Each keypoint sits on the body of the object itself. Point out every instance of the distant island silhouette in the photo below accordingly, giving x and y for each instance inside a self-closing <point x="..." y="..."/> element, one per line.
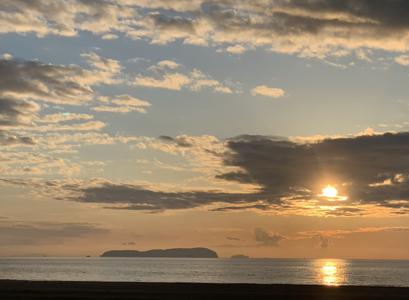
<point x="175" y="252"/>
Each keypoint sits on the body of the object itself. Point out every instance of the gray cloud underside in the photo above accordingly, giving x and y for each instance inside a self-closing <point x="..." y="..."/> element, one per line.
<point x="125" y="196"/>
<point x="310" y="28"/>
<point x="267" y="239"/>
<point x="35" y="80"/>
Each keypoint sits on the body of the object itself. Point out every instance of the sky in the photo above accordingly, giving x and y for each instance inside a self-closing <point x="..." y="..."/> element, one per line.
<point x="269" y="128"/>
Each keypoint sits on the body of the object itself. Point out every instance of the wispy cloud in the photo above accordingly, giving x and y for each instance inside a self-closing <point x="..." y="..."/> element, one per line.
<point x="263" y="90"/>
<point x="170" y="75"/>
<point x="121" y="104"/>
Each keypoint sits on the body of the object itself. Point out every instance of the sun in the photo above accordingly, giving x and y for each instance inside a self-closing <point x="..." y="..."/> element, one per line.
<point x="330" y="192"/>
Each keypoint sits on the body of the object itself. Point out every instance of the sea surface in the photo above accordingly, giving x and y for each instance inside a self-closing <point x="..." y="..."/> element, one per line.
<point x="281" y="271"/>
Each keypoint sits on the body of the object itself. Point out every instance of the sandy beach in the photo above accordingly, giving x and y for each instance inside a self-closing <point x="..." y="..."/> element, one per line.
<point x="11" y="289"/>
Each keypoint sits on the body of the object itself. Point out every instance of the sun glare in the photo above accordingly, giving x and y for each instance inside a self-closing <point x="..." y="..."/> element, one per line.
<point x="329" y="191"/>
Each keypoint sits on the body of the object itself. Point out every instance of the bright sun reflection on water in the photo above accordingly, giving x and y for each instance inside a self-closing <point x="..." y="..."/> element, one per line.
<point x="331" y="272"/>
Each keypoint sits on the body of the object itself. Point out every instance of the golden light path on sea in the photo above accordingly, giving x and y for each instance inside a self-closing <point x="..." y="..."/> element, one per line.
<point x="331" y="272"/>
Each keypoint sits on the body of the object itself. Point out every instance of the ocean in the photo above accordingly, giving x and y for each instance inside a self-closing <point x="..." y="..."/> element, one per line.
<point x="278" y="271"/>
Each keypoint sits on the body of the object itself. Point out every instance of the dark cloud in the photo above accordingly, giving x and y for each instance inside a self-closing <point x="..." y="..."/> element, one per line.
<point x="267" y="239"/>
<point x="133" y="197"/>
<point x="7" y="139"/>
<point x="181" y="141"/>
<point x="60" y="84"/>
<point x="244" y="207"/>
<point x="308" y="16"/>
<point x="172" y="23"/>
<point x="35" y="80"/>
<point x="369" y="169"/>
<point x="394" y="14"/>
<point x="14" y="112"/>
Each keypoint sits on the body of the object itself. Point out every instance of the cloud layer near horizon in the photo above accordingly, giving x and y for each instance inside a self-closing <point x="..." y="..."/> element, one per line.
<point x="14" y="232"/>
<point x="370" y="170"/>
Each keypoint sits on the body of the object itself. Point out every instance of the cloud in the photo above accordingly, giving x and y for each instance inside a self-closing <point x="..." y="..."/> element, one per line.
<point x="317" y="28"/>
<point x="51" y="152"/>
<point x="137" y="197"/>
<point x="275" y="176"/>
<point x="200" y="154"/>
<point x="85" y="126"/>
<point x="7" y="139"/>
<point x="65" y="18"/>
<point x="267" y="239"/>
<point x="44" y="233"/>
<point x="296" y="170"/>
<point x="61" y="141"/>
<point x="106" y="64"/>
<point x="402" y="60"/>
<point x="263" y="90"/>
<point x="180" y="141"/>
<point x="173" y="81"/>
<point x="236" y="49"/>
<point x="109" y="36"/>
<point x="28" y="86"/>
<point x="122" y="104"/>
<point x="163" y="65"/>
<point x="59" y="84"/>
<point x="129" y="196"/>
<point x="20" y="163"/>
<point x="14" y="112"/>
<point x="63" y="117"/>
<point x="170" y="75"/>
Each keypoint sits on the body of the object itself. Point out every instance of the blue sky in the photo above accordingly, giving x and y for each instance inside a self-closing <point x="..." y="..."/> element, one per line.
<point x="362" y="95"/>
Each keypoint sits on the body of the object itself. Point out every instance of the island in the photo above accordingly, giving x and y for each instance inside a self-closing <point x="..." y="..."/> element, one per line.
<point x="175" y="252"/>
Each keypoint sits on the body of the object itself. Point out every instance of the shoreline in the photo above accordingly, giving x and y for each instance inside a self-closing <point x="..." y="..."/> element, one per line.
<point x="21" y="289"/>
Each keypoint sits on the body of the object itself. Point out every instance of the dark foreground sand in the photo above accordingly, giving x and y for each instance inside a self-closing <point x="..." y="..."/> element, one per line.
<point x="10" y="290"/>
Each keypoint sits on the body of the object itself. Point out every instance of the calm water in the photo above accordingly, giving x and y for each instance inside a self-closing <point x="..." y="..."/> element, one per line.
<point x="294" y="271"/>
